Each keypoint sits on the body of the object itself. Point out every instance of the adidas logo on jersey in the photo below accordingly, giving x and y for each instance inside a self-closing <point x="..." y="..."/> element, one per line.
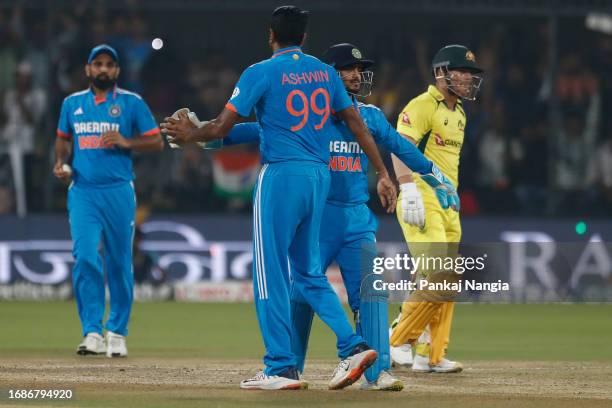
<point x="79" y="111"/>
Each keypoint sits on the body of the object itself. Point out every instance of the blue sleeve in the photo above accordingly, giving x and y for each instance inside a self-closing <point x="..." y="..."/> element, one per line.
<point x="340" y="99"/>
<point x="243" y="133"/>
<point x="143" y="118"/>
<point x="64" y="129"/>
<point x="385" y="135"/>
<point x="251" y="86"/>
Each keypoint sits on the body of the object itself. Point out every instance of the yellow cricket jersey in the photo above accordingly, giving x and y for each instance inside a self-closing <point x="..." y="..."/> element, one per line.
<point x="437" y="130"/>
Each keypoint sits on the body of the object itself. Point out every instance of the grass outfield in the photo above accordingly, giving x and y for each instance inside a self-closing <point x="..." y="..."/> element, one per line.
<point x="195" y="354"/>
<point x="552" y="332"/>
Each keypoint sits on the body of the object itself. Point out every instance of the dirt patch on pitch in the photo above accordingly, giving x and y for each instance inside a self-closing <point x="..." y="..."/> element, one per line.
<point x="512" y="381"/>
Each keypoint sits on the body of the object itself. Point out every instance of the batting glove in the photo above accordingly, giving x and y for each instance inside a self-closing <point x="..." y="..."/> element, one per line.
<point x="445" y="191"/>
<point x="413" y="210"/>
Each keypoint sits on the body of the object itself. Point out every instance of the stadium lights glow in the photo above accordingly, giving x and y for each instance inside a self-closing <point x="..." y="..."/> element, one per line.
<point x="599" y="22"/>
<point x="157" y="43"/>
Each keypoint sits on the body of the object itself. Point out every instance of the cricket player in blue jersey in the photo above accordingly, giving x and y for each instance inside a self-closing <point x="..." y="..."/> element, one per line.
<point x="99" y="127"/>
<point x="348" y="227"/>
<point x="293" y="95"/>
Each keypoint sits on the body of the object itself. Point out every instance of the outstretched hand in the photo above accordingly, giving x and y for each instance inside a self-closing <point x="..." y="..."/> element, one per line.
<point x="179" y="131"/>
<point x="387" y="193"/>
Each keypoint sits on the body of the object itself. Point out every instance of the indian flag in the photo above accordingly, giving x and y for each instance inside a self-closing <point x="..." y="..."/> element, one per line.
<point x="235" y="173"/>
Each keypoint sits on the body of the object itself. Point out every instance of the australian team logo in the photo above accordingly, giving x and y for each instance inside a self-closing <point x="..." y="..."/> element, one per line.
<point x="114" y="111"/>
<point x="470" y="56"/>
<point x="406" y="119"/>
<point x="438" y="139"/>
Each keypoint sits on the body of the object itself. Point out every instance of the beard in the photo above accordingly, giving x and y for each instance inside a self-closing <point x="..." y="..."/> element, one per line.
<point x="103" y="82"/>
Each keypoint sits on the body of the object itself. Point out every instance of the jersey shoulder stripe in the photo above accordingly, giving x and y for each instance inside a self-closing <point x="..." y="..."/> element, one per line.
<point x="362" y="105"/>
<point x="78" y="93"/>
<point x="126" y="92"/>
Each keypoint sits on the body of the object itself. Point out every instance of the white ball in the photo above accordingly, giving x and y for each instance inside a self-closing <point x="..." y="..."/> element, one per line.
<point x="67" y="168"/>
<point x="157" y="43"/>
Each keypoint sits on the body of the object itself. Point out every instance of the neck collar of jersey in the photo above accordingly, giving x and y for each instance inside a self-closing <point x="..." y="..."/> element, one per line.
<point x="280" y="51"/>
<point x="435" y="92"/>
<point x="101" y="99"/>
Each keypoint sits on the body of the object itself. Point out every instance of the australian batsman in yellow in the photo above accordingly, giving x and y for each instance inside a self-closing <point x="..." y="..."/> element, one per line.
<point x="435" y="121"/>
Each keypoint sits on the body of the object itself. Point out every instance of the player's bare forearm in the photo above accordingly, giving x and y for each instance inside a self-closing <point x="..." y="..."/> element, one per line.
<point x="153" y="143"/>
<point x="407" y="178"/>
<point x="364" y="138"/>
<point x="141" y="143"/>
<point x="63" y="149"/>
<point x="219" y="127"/>
<point x="402" y="172"/>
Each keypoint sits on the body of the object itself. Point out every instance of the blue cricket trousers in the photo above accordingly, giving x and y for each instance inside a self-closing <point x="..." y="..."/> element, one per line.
<point x="287" y="210"/>
<point x="102" y="214"/>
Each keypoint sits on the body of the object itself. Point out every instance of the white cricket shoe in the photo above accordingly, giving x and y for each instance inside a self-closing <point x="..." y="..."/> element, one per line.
<point x="353" y="367"/>
<point x="92" y="344"/>
<point x="261" y="381"/>
<point x="447" y="366"/>
<point x="385" y="382"/>
<point x="115" y="345"/>
<point x="420" y="364"/>
<point x="401" y="355"/>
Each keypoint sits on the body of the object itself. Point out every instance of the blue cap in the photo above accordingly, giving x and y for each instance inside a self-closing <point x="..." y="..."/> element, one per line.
<point x="102" y="49"/>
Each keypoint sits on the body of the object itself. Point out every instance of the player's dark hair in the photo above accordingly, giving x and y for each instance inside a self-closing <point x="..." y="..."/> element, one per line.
<point x="289" y="25"/>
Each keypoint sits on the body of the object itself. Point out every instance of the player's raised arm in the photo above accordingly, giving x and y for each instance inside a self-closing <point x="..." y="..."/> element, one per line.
<point x="386" y="189"/>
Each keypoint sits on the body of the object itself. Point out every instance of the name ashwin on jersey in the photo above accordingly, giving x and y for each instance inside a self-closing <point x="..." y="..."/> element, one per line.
<point x="305" y="77"/>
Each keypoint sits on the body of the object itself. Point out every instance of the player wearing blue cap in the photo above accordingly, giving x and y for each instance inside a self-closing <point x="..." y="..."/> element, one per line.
<point x="348" y="227"/>
<point x="293" y="95"/>
<point x="99" y="127"/>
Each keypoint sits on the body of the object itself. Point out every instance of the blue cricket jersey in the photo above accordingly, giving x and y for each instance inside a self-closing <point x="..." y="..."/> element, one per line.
<point x="348" y="163"/>
<point x="294" y="96"/>
<point x="84" y="118"/>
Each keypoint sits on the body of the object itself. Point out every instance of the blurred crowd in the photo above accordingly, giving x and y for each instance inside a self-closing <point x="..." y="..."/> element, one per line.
<point x="537" y="141"/>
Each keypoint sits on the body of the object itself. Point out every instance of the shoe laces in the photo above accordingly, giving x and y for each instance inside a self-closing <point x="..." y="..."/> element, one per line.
<point x="342" y="366"/>
<point x="260" y="375"/>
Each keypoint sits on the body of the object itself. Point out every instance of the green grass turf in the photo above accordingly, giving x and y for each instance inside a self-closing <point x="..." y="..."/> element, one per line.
<point x="554" y="332"/>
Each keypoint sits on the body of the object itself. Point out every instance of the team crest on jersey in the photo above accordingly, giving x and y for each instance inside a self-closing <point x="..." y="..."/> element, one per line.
<point x="470" y="56"/>
<point x="114" y="111"/>
<point x="406" y="119"/>
<point x="235" y="93"/>
<point x="438" y="139"/>
<point x="461" y="125"/>
<point x="356" y="53"/>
